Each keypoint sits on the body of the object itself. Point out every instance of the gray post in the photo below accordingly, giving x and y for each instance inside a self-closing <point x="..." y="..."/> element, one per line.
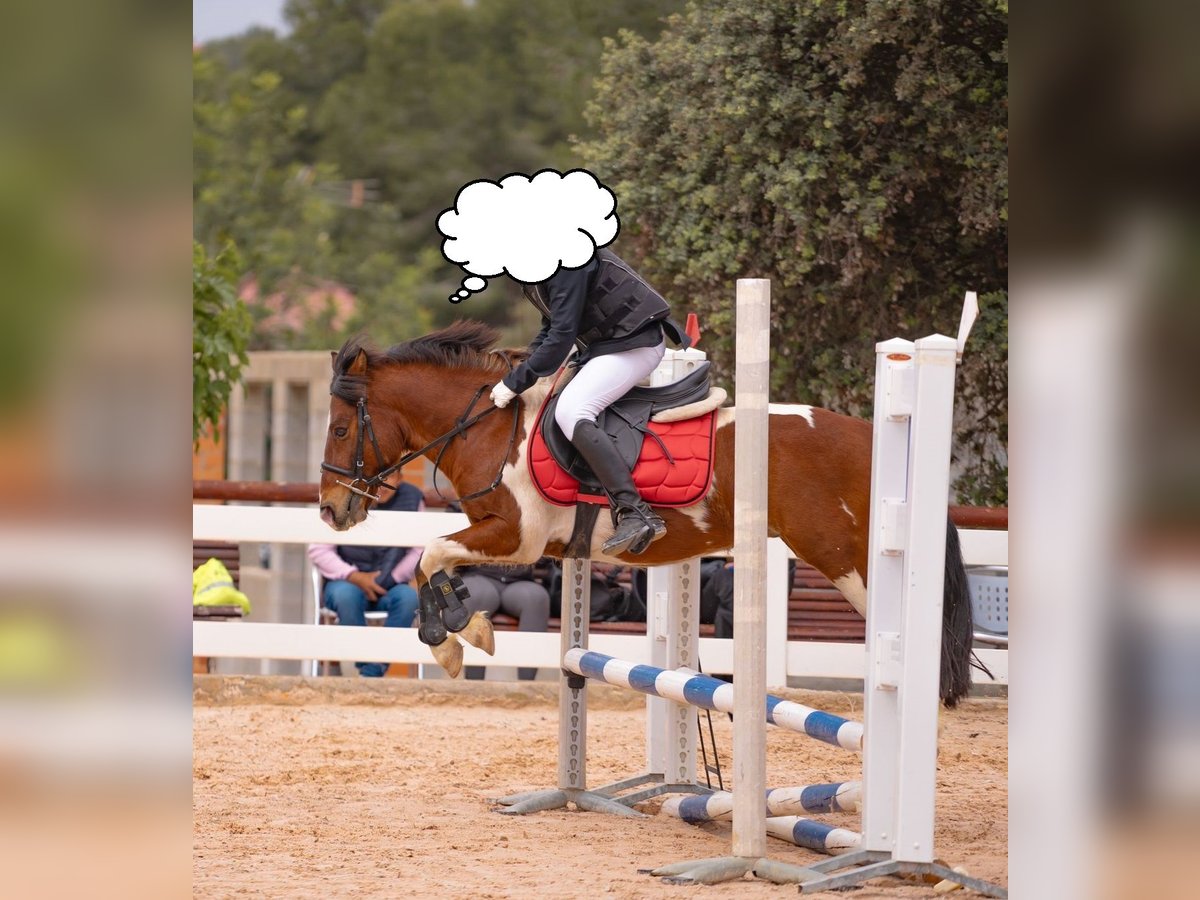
<point x="572" y="702"/>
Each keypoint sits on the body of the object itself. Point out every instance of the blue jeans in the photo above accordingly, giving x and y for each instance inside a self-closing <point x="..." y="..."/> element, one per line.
<point x="350" y="604"/>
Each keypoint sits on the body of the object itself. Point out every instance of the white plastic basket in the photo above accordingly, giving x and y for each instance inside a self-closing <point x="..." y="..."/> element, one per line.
<point x="989" y="598"/>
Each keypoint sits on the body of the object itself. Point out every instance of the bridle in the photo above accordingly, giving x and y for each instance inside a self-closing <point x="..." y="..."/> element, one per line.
<point x="366" y="431"/>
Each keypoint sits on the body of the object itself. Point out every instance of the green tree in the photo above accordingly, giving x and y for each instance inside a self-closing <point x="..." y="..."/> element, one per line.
<point x="252" y="185"/>
<point x="410" y="99"/>
<point x="853" y="152"/>
<point x="220" y="331"/>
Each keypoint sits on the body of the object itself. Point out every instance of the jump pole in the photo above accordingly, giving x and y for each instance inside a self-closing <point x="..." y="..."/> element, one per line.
<point x="705" y="692"/>
<point x="753" y="367"/>
<point x="750" y="570"/>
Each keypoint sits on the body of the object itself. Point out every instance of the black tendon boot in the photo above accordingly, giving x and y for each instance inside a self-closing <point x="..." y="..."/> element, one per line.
<point x="635" y="524"/>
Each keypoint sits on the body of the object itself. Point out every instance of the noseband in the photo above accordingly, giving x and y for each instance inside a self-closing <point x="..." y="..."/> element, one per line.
<point x="367" y="432"/>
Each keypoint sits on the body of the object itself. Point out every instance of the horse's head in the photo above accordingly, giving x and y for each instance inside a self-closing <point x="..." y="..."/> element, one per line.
<point x="356" y="447"/>
<point x="385" y="403"/>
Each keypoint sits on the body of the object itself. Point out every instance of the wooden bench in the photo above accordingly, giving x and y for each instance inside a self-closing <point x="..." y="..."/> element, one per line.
<point x="229" y="555"/>
<point x="816" y="612"/>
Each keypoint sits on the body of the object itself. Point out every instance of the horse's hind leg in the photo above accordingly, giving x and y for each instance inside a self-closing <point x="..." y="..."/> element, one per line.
<point x="831" y="536"/>
<point x="842" y="563"/>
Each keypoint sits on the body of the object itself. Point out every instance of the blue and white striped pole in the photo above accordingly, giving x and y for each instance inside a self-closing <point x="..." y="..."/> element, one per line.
<point x="795" y="829"/>
<point x="844" y="796"/>
<point x="711" y="693"/>
<point x="813" y="835"/>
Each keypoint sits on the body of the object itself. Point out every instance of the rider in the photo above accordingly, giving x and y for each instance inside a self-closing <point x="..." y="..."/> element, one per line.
<point x="618" y="322"/>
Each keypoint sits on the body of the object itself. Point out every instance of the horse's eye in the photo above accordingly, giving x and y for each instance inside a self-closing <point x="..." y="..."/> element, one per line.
<point x="339" y="432"/>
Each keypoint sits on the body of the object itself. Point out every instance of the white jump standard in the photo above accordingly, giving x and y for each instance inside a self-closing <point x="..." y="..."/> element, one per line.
<point x="914" y="394"/>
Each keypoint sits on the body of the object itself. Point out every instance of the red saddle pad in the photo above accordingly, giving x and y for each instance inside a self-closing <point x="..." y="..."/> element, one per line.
<point x="680" y="480"/>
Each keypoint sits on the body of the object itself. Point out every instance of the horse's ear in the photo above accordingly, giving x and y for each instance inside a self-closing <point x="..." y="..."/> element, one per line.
<point x="359" y="366"/>
<point x="333" y="360"/>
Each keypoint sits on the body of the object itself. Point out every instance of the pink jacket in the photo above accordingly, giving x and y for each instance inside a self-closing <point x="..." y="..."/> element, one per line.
<point x="333" y="567"/>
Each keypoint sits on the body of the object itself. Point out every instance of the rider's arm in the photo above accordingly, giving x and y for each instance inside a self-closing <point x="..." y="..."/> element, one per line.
<point x="541" y="336"/>
<point x="567" y="293"/>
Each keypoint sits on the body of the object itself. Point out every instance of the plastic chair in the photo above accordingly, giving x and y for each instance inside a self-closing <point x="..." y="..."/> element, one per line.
<point x="989" y="604"/>
<point x="322" y="615"/>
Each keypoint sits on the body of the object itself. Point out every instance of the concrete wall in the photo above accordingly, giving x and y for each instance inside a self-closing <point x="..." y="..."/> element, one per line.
<point x="276" y="432"/>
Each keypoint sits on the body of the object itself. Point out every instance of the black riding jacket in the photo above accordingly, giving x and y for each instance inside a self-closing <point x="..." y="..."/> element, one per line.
<point x="603" y="307"/>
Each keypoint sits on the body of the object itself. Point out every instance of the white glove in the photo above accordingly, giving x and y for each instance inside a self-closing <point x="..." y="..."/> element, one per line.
<point x="502" y="395"/>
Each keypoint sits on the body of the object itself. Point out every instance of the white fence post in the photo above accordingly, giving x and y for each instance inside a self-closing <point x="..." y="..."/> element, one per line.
<point x="779" y="588"/>
<point x="750" y="566"/>
<point x="658" y="587"/>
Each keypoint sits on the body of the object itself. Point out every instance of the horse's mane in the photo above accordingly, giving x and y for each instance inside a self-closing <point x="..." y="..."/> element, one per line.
<point x="463" y="345"/>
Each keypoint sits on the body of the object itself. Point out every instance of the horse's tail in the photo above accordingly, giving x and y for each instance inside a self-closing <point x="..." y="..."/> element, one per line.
<point x="958" y="627"/>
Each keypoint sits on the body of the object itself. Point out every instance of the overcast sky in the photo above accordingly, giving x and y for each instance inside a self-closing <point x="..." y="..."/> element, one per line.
<point x="213" y="19"/>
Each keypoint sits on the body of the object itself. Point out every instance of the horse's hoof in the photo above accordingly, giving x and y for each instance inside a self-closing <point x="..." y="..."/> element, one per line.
<point x="449" y="655"/>
<point x="478" y="633"/>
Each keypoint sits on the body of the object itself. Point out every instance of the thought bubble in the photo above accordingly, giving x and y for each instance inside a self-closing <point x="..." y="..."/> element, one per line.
<point x="527" y="227"/>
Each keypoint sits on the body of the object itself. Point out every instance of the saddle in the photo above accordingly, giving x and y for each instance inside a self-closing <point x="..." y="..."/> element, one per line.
<point x="664" y="434"/>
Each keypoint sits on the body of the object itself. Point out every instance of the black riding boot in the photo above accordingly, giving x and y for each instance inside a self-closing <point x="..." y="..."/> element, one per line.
<point x="635" y="524"/>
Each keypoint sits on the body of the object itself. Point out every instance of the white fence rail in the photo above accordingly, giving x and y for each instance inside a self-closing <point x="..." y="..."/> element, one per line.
<point x="301" y="524"/>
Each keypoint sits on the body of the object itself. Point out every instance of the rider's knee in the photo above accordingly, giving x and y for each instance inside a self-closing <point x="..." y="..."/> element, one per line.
<point x="567" y="418"/>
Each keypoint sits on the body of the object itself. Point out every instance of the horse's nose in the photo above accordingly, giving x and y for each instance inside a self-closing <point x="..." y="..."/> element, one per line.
<point x="327" y="516"/>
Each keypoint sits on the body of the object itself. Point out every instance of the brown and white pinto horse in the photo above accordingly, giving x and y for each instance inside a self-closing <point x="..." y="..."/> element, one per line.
<point x="819" y="479"/>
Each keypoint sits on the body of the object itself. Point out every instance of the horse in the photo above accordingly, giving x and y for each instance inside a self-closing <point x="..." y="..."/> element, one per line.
<point x="424" y="400"/>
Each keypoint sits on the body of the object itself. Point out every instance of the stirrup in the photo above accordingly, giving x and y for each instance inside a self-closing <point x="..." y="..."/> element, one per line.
<point x="652" y="528"/>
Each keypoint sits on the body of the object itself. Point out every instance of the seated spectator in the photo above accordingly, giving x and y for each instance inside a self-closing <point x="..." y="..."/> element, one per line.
<point x="359" y="579"/>
<point x="716" y="593"/>
<point x="512" y="591"/>
<point x="611" y="601"/>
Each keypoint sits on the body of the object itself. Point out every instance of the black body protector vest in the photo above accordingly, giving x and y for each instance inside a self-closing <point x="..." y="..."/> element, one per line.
<point x="620" y="303"/>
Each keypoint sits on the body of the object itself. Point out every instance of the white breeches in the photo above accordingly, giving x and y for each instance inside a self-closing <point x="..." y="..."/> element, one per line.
<point x="601" y="382"/>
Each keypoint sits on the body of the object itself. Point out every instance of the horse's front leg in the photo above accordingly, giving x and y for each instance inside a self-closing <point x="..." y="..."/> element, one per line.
<point x="442" y="611"/>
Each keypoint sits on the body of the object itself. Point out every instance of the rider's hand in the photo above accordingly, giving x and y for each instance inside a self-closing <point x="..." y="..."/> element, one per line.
<point x="365" y="582"/>
<point x="502" y="395"/>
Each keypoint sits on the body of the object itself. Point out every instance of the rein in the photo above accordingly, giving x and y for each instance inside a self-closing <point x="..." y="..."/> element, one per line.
<point x="461" y="424"/>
